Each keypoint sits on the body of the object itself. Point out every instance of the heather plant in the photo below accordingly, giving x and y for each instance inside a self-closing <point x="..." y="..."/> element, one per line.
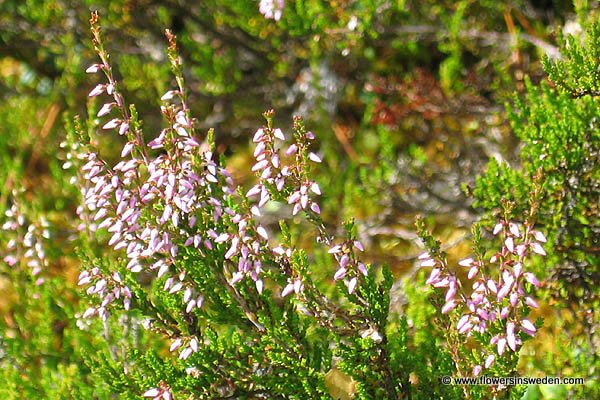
<point x="194" y="259"/>
<point x="208" y="262"/>
<point x="193" y="283"/>
<point x="236" y="300"/>
<point x="556" y="123"/>
<point x="41" y="348"/>
<point x="486" y="321"/>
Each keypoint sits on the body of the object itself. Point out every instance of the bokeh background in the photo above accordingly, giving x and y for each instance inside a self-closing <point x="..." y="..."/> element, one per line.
<point x="409" y="101"/>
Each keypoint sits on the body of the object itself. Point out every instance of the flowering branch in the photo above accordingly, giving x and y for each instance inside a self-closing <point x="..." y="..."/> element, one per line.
<point x="196" y="254"/>
<point x="494" y="312"/>
<point x="27" y="241"/>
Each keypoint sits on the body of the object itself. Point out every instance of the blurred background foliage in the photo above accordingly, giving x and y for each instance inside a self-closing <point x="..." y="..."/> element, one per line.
<point x="409" y="100"/>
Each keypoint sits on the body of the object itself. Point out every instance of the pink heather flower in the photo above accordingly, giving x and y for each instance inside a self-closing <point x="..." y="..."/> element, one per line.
<point x="194" y="344"/>
<point x="315" y="158"/>
<point x="501" y="345"/>
<point x="452" y="289"/>
<point x="467" y="262"/>
<point x="434" y="276"/>
<point x="279" y="134"/>
<point x="462" y="321"/>
<point x="287" y="290"/>
<point x="185" y="353"/>
<point x="362" y="269"/>
<point x="492" y="286"/>
<point x="476" y="370"/>
<point x="259" y="150"/>
<point x="531" y="302"/>
<point x="259" y="286"/>
<point x="465" y="328"/>
<point x="335" y="249"/>
<point x="504" y="290"/>
<point x="444" y="282"/>
<point x="99" y="89"/>
<point x="352" y="285"/>
<point x="271" y="9"/>
<point x="169" y="95"/>
<point x="344" y="260"/>
<point x="158" y="394"/>
<point x="511" y="339"/>
<point x="154" y="392"/>
<point x="190" y="306"/>
<point x="89" y="312"/>
<point x="497" y="228"/>
<point x="514" y="229"/>
<point x="127" y="149"/>
<point x="513" y="298"/>
<point x="539" y="236"/>
<point x="113" y="123"/>
<point x="105" y="109"/>
<point x="199" y="301"/>
<point x="260" y="165"/>
<point x="529" y="277"/>
<point x="479" y="294"/>
<point x="276" y="162"/>
<point x="449" y="306"/>
<point x="294" y="197"/>
<point x="489" y="360"/>
<point x="304" y="201"/>
<point x="258" y="135"/>
<point x="528" y="327"/>
<point x="10" y="260"/>
<point x="537" y="248"/>
<point x="176" y="344"/>
<point x="298" y="286"/>
<point x="483" y="314"/>
<point x="510" y="245"/>
<point x="430" y="262"/>
<point x="92" y="69"/>
<point x="254" y="190"/>
<point x="291" y="150"/>
<point x="315" y="188"/>
<point x="291" y="287"/>
<point x="315" y="208"/>
<point x="472" y="272"/>
<point x="187" y="294"/>
<point x="123" y="128"/>
<point x="262" y="232"/>
<point x="340" y="273"/>
<point x="517" y="270"/>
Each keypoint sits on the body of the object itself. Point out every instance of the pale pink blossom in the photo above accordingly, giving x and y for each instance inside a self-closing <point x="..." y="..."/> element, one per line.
<point x="315" y="158"/>
<point x="99" y="89"/>
<point x="271" y="9"/>
<point x="537" y="248"/>
<point x="92" y="69"/>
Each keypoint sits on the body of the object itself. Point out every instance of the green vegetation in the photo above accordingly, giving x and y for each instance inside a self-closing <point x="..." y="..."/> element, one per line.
<point x="160" y="239"/>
